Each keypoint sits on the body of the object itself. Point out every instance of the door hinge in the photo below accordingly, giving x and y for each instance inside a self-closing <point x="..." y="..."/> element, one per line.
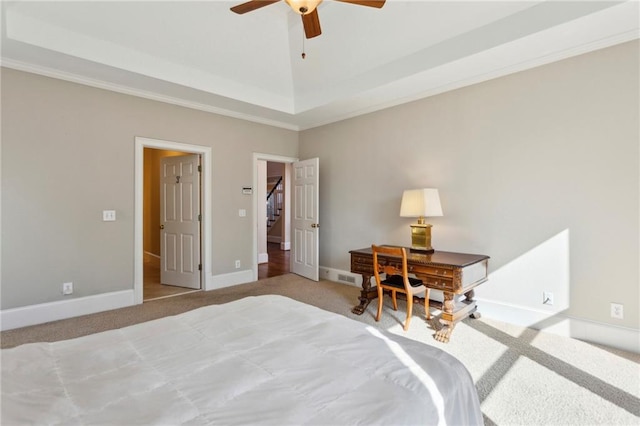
<point x="199" y="168"/>
<point x="199" y="218"/>
<point x="200" y="267"/>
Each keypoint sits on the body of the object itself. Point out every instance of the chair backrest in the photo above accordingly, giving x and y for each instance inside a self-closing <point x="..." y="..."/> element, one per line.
<point x="390" y="269"/>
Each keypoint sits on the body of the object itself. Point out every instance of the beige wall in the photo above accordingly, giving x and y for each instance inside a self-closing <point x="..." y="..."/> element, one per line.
<point x="539" y="170"/>
<point x="68" y="154"/>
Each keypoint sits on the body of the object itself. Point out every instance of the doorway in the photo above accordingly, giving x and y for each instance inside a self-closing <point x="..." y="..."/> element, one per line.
<point x="271" y="258"/>
<point x="171" y="226"/>
<point x="206" y="283"/>
<point x="274" y="232"/>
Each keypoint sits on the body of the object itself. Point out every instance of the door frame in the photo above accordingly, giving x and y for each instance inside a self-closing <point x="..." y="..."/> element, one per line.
<point x="265" y="157"/>
<point x="206" y="202"/>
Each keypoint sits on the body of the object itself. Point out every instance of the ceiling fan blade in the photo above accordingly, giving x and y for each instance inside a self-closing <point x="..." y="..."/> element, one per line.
<point x="370" y="3"/>
<point x="252" y="5"/>
<point x="311" y="24"/>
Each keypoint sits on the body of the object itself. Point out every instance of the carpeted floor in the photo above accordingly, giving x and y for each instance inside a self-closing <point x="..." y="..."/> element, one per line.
<point x="523" y="377"/>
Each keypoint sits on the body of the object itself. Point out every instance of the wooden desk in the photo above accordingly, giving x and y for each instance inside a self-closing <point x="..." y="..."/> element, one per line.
<point x="452" y="273"/>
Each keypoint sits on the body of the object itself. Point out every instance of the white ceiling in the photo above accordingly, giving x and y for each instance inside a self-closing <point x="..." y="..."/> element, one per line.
<point x="201" y="55"/>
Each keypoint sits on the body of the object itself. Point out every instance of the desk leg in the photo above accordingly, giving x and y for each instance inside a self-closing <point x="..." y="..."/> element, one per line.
<point x="469" y="297"/>
<point x="443" y="335"/>
<point x="366" y="295"/>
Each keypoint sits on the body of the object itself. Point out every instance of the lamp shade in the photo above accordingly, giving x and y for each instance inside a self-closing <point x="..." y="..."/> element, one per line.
<point x="420" y="203"/>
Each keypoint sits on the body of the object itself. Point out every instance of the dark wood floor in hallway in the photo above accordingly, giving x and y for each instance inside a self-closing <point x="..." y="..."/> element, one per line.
<point x="278" y="262"/>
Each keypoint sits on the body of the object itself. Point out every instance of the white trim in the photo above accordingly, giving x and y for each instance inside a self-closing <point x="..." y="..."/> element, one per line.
<point x="274" y="239"/>
<point x="118" y="88"/>
<point x="264" y="157"/>
<point x="285" y="245"/>
<point x="231" y="279"/>
<point x="148" y="253"/>
<point x="624" y="338"/>
<point x="263" y="258"/>
<point x="560" y="324"/>
<point x="53" y="311"/>
<point x="207" y="197"/>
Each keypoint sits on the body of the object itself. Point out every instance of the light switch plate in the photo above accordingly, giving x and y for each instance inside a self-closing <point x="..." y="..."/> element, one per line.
<point x="242" y="212"/>
<point x="109" y="215"/>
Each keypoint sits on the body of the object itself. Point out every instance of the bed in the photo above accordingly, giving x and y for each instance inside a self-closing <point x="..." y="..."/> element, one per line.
<point x="258" y="360"/>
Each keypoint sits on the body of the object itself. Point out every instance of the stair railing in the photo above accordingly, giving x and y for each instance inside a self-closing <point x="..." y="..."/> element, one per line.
<point x="274" y="203"/>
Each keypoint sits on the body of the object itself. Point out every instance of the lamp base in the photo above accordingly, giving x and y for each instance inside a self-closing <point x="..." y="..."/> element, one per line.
<point x="421" y="238"/>
<point x="421" y="251"/>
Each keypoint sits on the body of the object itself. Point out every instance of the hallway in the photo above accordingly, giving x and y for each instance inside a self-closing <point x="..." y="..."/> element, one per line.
<point x="278" y="262"/>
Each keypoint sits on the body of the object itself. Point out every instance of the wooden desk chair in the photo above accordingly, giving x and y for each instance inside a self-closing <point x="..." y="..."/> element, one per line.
<point x="397" y="281"/>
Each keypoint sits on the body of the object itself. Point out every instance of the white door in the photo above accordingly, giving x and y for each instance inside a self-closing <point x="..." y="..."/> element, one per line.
<point x="304" y="221"/>
<point x="180" y="221"/>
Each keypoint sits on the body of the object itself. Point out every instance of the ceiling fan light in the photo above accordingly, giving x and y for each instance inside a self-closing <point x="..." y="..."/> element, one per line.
<point x="303" y="7"/>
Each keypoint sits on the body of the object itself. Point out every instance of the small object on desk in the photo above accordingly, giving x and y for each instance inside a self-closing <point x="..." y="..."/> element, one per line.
<point x="421" y="203"/>
<point x="452" y="273"/>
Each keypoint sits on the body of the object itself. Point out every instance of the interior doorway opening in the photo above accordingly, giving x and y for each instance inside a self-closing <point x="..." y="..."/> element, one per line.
<point x="153" y="285"/>
<point x="206" y="281"/>
<point x="274" y="241"/>
<point x="271" y="258"/>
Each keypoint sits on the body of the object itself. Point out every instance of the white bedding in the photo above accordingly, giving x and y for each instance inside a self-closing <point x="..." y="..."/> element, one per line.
<point x="259" y="360"/>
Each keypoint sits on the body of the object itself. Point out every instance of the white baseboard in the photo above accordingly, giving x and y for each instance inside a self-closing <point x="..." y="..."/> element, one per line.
<point x="230" y="279"/>
<point x="263" y="257"/>
<point x="53" y="311"/>
<point x="285" y="245"/>
<point x="274" y="239"/>
<point x="560" y="324"/>
<point x="148" y="253"/>
<point x="605" y="334"/>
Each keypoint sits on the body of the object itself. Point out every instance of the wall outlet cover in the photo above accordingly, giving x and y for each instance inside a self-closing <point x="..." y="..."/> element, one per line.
<point x="67" y="288"/>
<point x="617" y="311"/>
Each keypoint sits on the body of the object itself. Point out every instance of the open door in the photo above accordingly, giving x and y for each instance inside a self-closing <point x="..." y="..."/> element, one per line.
<point x="305" y="219"/>
<point x="180" y="221"/>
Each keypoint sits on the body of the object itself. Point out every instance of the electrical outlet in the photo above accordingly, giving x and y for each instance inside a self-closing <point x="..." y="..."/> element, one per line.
<point x="108" y="215"/>
<point x="237" y="264"/>
<point x="67" y="288"/>
<point x="617" y="311"/>
<point x="547" y="298"/>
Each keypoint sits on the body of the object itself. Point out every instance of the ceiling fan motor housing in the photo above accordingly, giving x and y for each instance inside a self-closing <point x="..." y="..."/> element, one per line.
<point x="303" y="7"/>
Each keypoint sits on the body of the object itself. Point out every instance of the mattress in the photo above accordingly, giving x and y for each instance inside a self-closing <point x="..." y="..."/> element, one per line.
<point x="259" y="360"/>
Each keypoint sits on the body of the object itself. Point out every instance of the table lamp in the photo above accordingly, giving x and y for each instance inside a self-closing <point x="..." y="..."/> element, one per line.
<point x="421" y="203"/>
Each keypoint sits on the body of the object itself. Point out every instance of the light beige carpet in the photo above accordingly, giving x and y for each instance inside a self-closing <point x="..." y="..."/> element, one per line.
<point x="523" y="377"/>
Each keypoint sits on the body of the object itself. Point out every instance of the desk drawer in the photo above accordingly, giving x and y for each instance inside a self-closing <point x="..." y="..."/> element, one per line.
<point x="362" y="264"/>
<point x="439" y="283"/>
<point x="432" y="270"/>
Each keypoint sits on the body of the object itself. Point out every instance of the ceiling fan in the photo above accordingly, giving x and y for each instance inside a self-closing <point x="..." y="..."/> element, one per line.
<point x="306" y="8"/>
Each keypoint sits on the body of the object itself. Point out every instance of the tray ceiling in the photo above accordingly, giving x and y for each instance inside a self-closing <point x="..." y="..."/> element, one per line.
<point x="201" y="55"/>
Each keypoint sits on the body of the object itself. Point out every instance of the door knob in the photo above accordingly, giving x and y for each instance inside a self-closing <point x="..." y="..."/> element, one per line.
<point x="161" y="226"/>
<point x="315" y="225"/>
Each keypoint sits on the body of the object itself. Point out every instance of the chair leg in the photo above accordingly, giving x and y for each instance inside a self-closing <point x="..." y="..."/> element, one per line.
<point x="395" y="302"/>
<point x="426" y="304"/>
<point x="409" y="310"/>
<point x="380" y="295"/>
